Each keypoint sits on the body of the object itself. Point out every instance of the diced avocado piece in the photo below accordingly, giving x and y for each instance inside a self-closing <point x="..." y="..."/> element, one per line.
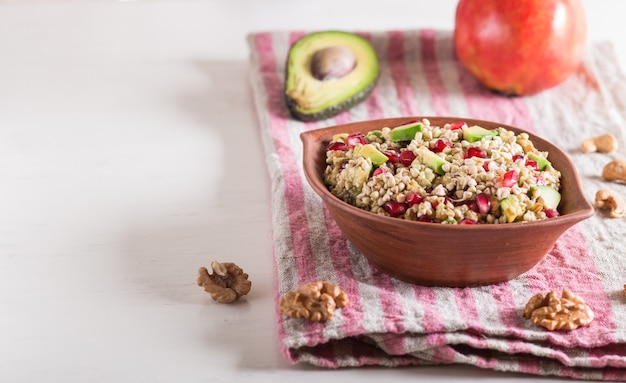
<point x="377" y="133"/>
<point x="542" y="162"/>
<point x="373" y="135"/>
<point x="376" y="156"/>
<point x="329" y="72"/>
<point x="548" y="196"/>
<point x="510" y="208"/>
<point x="405" y="132"/>
<point x="476" y="133"/>
<point x="431" y="159"/>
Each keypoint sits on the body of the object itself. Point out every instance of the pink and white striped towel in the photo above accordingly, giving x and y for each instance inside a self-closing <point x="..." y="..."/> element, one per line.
<point x="393" y="323"/>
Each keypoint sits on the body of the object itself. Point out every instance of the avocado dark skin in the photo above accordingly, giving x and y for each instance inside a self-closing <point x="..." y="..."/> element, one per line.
<point x="327" y="73"/>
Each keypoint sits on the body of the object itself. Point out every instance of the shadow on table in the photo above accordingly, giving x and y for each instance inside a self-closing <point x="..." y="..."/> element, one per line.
<point x="227" y="220"/>
<point x="222" y="212"/>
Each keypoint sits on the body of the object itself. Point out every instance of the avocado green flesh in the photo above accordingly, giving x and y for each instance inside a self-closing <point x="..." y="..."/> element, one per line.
<point x="405" y="132"/>
<point x="310" y="99"/>
<point x="477" y="133"/>
<point x="376" y="156"/>
<point x="432" y="160"/>
<point x="509" y="208"/>
<point x="374" y="134"/>
<point x="549" y="196"/>
<point x="542" y="163"/>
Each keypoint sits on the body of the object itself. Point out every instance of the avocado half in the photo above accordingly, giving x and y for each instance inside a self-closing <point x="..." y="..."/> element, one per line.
<point x="329" y="72"/>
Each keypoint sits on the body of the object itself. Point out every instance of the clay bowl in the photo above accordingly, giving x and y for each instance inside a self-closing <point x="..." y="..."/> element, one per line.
<point x="446" y="255"/>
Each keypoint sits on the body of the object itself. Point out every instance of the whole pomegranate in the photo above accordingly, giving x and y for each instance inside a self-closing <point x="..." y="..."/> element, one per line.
<point x="520" y="47"/>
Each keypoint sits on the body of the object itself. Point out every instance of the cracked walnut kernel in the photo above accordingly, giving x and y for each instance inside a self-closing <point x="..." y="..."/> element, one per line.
<point x="226" y="284"/>
<point x="567" y="312"/>
<point x="313" y="301"/>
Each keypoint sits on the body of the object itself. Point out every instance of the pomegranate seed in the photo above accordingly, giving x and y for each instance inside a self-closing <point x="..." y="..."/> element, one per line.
<point x="407" y="157"/>
<point x="356" y="138"/>
<point x="467" y="221"/>
<point x="475" y="152"/>
<point x="441" y="145"/>
<point x="483" y="203"/>
<point x="379" y="171"/>
<point x="412" y="198"/>
<point x="551" y="213"/>
<point x="517" y="157"/>
<point x="393" y="155"/>
<point x="337" y="146"/>
<point x="532" y="164"/>
<point x="509" y="179"/>
<point x="457" y="125"/>
<point x="394" y="208"/>
<point x="486" y="165"/>
<point x="426" y="218"/>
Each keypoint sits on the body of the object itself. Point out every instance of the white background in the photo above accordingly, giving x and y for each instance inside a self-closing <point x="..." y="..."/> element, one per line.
<point x="130" y="155"/>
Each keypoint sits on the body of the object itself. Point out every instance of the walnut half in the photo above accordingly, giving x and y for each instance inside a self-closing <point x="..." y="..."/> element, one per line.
<point x="567" y="312"/>
<point x="313" y="301"/>
<point x="226" y="284"/>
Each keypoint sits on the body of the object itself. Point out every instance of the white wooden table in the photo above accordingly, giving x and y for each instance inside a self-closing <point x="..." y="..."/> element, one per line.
<point x="123" y="125"/>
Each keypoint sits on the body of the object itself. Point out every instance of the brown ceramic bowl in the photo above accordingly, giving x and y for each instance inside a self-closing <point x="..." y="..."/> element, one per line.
<point x="446" y="255"/>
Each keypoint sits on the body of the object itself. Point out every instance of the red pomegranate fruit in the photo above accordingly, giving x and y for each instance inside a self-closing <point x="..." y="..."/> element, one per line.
<point x="520" y="47"/>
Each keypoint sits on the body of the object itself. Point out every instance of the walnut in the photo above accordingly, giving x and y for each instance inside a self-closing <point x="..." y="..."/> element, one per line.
<point x="565" y="313"/>
<point x="605" y="143"/>
<point x="313" y="301"/>
<point x="608" y="199"/>
<point x="227" y="283"/>
<point x="615" y="171"/>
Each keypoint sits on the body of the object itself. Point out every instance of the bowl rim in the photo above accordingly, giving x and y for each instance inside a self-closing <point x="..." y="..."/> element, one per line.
<point x="316" y="182"/>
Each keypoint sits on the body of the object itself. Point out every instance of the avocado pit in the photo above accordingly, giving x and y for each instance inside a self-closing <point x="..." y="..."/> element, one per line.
<point x="332" y="62"/>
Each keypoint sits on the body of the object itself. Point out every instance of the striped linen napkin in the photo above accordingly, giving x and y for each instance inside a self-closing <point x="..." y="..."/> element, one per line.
<point x="392" y="323"/>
